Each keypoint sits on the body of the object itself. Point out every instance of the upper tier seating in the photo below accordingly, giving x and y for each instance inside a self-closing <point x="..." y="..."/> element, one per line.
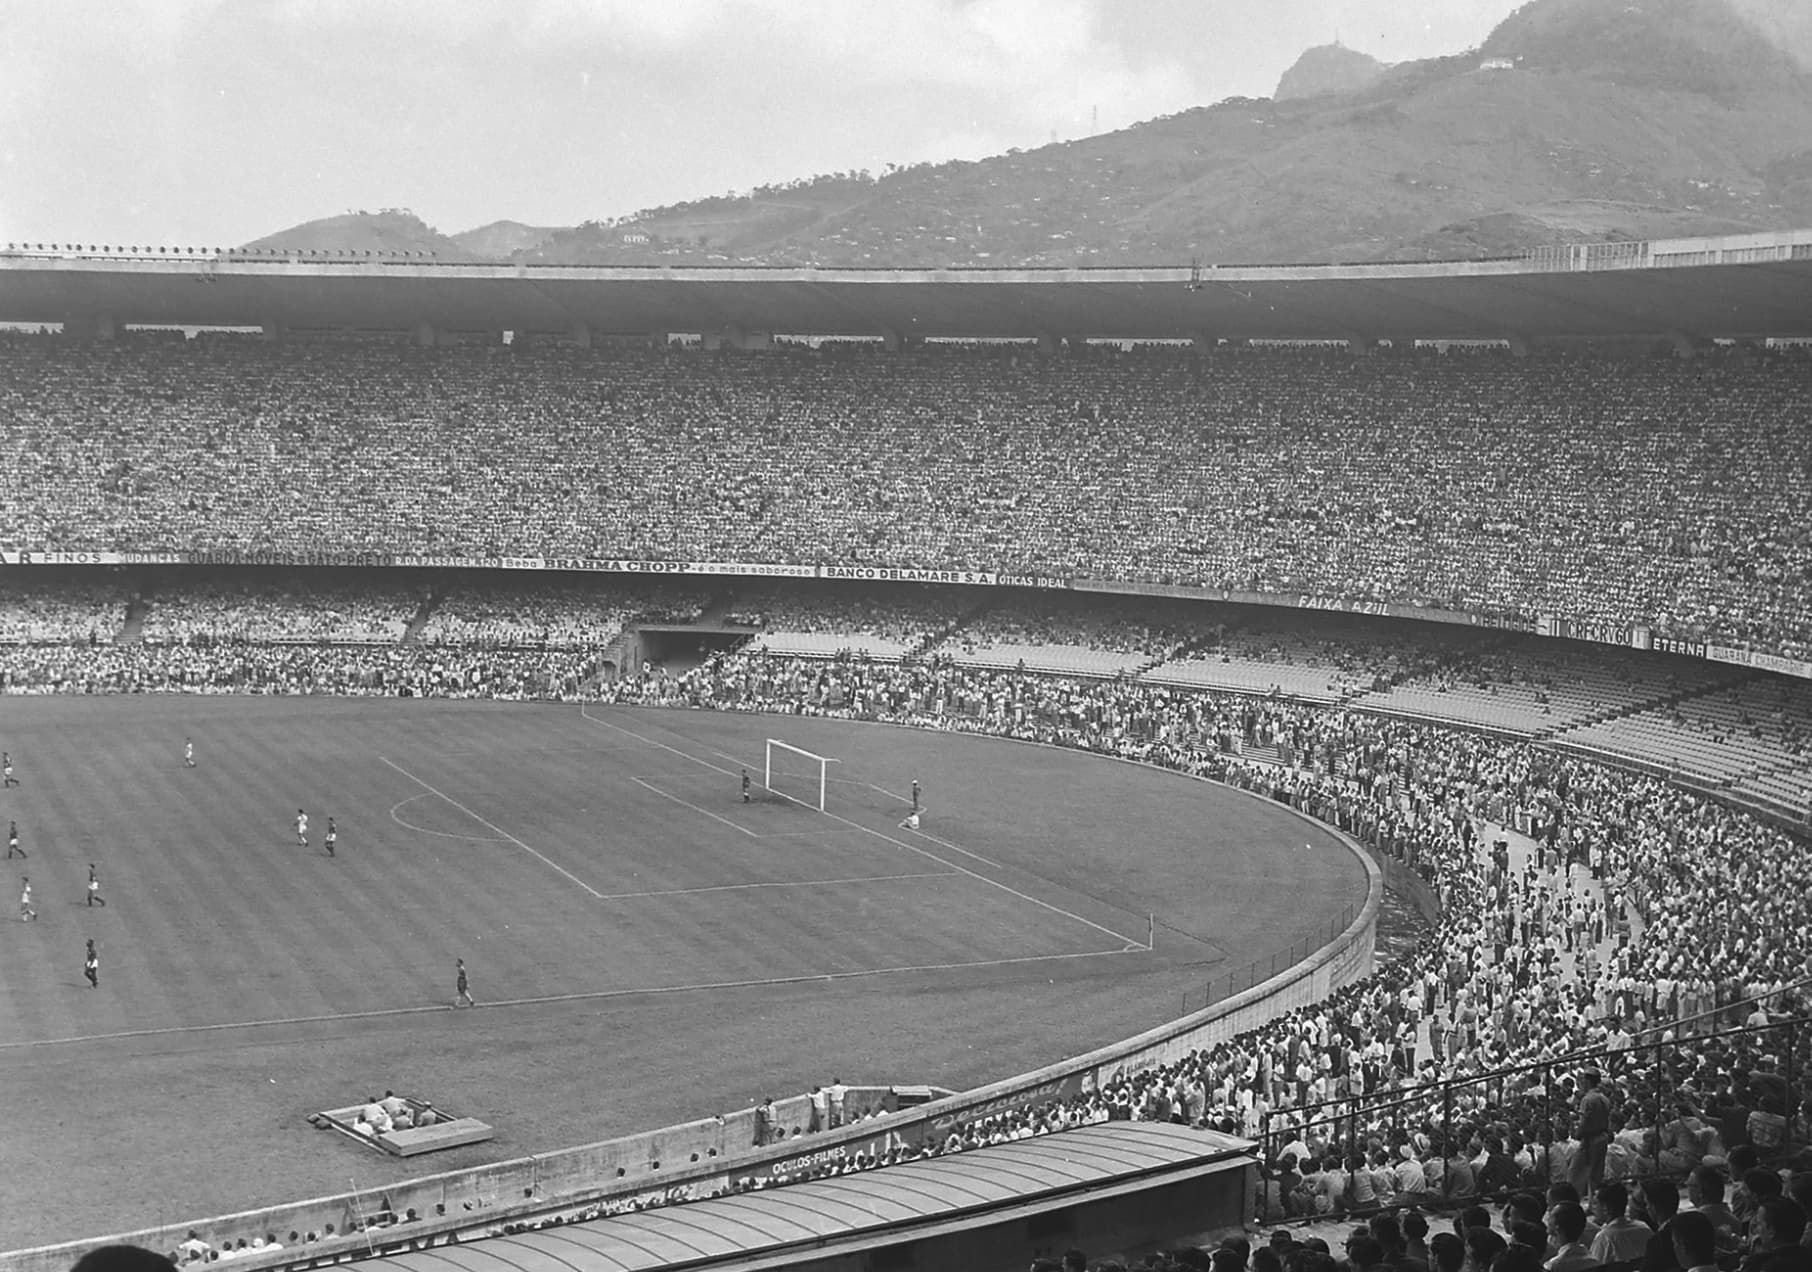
<point x="1668" y="493"/>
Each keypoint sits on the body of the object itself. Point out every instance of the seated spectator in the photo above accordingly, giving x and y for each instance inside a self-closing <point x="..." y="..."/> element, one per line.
<point x="1775" y="1235"/>
<point x="1622" y="1239"/>
<point x="193" y="1248"/>
<point x="1695" y="1241"/>
<point x="1566" y="1223"/>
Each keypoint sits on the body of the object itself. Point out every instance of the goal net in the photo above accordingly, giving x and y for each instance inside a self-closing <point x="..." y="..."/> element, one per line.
<point x="797" y="774"/>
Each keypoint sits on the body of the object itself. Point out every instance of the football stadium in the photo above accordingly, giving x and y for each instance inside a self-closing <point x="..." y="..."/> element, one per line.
<point x="532" y="765"/>
<point x="1079" y="749"/>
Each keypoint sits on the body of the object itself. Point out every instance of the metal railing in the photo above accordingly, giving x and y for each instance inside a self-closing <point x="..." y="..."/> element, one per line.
<point x="1643" y="1081"/>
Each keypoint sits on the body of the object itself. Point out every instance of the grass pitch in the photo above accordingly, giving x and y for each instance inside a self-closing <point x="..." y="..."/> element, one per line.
<point x="645" y="947"/>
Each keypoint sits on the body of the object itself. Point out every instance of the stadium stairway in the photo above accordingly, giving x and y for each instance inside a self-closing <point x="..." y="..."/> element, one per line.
<point x="1659" y="703"/>
<point x="935" y="639"/>
<point x="412" y="633"/>
<point x="133" y="629"/>
<point x="1262" y="753"/>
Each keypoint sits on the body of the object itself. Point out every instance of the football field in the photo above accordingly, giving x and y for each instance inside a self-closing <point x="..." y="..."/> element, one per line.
<point x="645" y="947"/>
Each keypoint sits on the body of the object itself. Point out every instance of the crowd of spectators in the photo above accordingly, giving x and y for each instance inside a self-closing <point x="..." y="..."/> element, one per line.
<point x="550" y="615"/>
<point x="1661" y="493"/>
<point x="1595" y="942"/>
<point x="902" y="617"/>
<point x="1101" y="624"/>
<point x="267" y="606"/>
<point x="60" y="610"/>
<point x="1525" y="967"/>
<point x="1318" y="654"/>
<point x="410" y="671"/>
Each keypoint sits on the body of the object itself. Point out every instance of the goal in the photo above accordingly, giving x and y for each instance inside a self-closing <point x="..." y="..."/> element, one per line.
<point x="797" y="774"/>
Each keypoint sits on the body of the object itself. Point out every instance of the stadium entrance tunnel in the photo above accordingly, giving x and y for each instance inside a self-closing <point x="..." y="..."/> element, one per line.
<point x="678" y="649"/>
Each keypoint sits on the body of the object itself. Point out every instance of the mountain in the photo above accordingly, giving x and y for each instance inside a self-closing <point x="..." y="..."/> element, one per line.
<point x="713" y="230"/>
<point x="501" y="240"/>
<point x="1328" y="68"/>
<point x="1575" y="120"/>
<point x="392" y="231"/>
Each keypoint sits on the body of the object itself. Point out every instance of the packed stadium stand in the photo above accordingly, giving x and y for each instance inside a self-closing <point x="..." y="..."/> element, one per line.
<point x="60" y="611"/>
<point x="554" y="615"/>
<point x="265" y="608"/>
<point x="1671" y="494"/>
<point x="1665" y="495"/>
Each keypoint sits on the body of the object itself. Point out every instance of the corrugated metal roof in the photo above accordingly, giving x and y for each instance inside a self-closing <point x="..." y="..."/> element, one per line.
<point x="844" y="1206"/>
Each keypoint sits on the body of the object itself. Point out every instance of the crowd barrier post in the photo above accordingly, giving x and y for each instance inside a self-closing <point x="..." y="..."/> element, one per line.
<point x="1446" y="1147"/>
<point x="1791" y="1074"/>
<point x="1267" y="1168"/>
<point x="1547" y="1108"/>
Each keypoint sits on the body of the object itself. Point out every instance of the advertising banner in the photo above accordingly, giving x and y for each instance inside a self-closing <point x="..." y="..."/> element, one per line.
<point x="1762" y="662"/>
<point x="907" y="574"/>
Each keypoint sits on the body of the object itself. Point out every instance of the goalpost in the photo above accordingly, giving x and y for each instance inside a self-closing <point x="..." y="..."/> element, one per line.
<point x="797" y="774"/>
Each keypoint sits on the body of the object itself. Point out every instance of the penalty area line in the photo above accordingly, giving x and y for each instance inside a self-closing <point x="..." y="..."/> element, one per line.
<point x="797" y="883"/>
<point x="378" y="1013"/>
<point x="646" y="785"/>
<point x="1131" y="943"/>
<point x="495" y="828"/>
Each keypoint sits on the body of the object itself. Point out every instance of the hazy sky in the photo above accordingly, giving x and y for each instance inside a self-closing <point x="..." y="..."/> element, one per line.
<point x="211" y="122"/>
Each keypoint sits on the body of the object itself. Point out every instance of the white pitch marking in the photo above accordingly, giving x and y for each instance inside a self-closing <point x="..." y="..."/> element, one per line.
<point x="581" y="996"/>
<point x="444" y="834"/>
<point x="585" y="713"/>
<point x="802" y="883"/>
<point x="938" y="839"/>
<point x="500" y="831"/>
<point x="645" y="784"/>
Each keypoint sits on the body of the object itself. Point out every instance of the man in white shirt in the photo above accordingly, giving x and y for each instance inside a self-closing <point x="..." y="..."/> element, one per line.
<point x="1566" y="1221"/>
<point x="1411" y="1183"/>
<point x="1621" y="1239"/>
<point x="193" y="1247"/>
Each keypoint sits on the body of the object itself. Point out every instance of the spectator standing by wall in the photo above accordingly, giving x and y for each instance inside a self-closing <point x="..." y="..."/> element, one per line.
<point x="1594" y="1135"/>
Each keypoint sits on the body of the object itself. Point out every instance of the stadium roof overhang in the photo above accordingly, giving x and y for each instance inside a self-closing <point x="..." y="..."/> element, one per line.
<point x="1471" y="300"/>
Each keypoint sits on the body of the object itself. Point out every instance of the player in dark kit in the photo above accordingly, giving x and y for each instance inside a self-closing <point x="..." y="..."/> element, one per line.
<point x="915" y="794"/>
<point x="745" y="786"/>
<point x="463" y="987"/>
<point x="94" y="887"/>
<point x="91" y="967"/>
<point x="333" y="836"/>
<point x="12" y="841"/>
